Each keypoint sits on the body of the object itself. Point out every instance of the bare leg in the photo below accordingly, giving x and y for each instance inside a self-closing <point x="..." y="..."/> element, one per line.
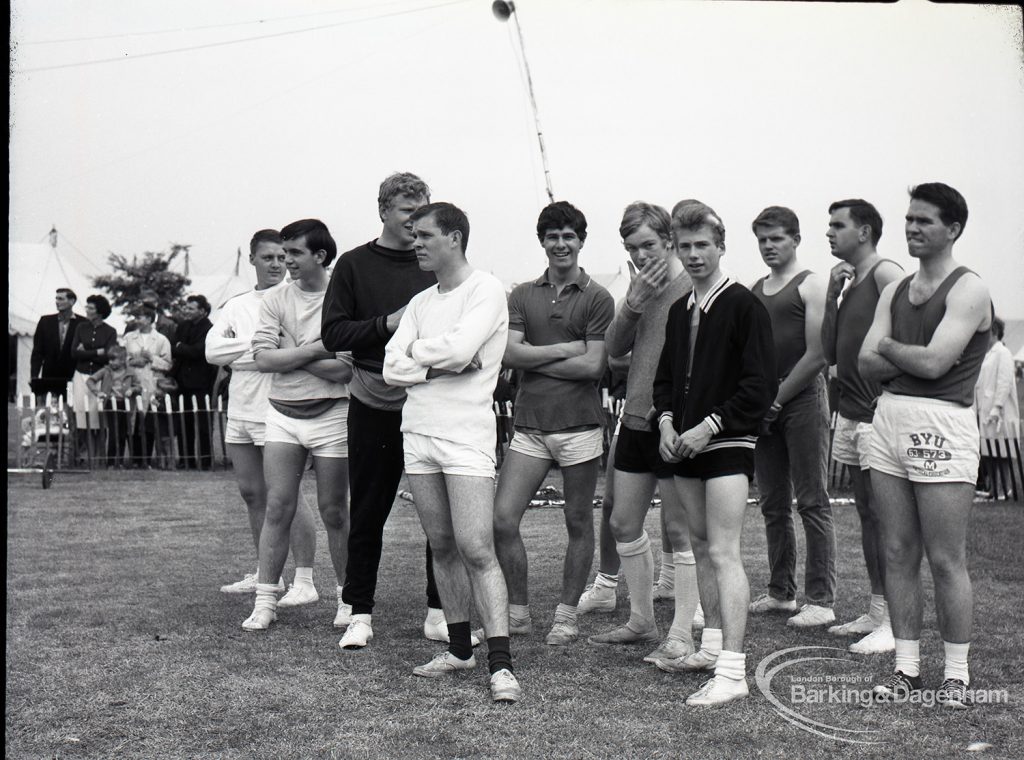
<point x="520" y="478"/>
<point x="901" y="529"/>
<point x="332" y="499"/>
<point x="692" y="496"/>
<point x="283" y="466"/>
<point x="247" y="461"/>
<point x="870" y="529"/>
<point x="608" y="558"/>
<point x="945" y="510"/>
<point x="579" y="480"/>
<point x="431" y="496"/>
<point x="726" y="501"/>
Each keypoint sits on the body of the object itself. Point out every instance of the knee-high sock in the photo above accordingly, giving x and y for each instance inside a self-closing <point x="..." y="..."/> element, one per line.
<point x="687" y="597"/>
<point x="638" y="568"/>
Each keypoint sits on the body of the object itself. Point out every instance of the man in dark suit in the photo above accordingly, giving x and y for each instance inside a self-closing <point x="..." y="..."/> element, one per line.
<point x="52" y="363"/>
<point x="195" y="378"/>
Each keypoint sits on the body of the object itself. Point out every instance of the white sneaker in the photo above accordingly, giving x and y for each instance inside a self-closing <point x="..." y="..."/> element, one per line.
<point x="505" y="687"/>
<point x="298" y="595"/>
<point x="670" y="649"/>
<point x="878" y="641"/>
<point x="698" y="617"/>
<point x="562" y="634"/>
<point x="443" y="664"/>
<point x="768" y="603"/>
<point x="860" y="626"/>
<point x="811" y="615"/>
<point x="245" y="586"/>
<point x="718" y="691"/>
<point x="358" y="634"/>
<point x="344" y="617"/>
<point x="439" y="632"/>
<point x="259" y="620"/>
<point x="597" y="598"/>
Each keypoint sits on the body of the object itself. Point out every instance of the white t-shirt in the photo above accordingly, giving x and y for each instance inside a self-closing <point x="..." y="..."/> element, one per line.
<point x="249" y="388"/>
<point x="445" y="331"/>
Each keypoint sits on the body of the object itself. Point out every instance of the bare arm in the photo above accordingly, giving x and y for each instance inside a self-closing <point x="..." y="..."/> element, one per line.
<point x="968" y="310"/>
<point x="873" y="366"/>
<point x="521" y="355"/>
<point x="811" y="363"/>
<point x="838" y="277"/>
<point x="335" y="370"/>
<point x="287" y="359"/>
<point x="589" y="366"/>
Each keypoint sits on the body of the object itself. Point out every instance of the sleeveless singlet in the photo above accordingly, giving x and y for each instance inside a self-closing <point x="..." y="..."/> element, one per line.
<point x="914" y="325"/>
<point x="857" y="396"/>
<point x="786" y="309"/>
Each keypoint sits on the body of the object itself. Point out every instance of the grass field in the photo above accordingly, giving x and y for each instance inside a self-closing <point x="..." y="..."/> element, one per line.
<point x="120" y="645"/>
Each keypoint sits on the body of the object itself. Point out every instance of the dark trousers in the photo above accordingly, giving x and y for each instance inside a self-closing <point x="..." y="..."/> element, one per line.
<point x="375" y="463"/>
<point x="117" y="421"/>
<point x="793" y="459"/>
<point x="143" y="438"/>
<point x="196" y="423"/>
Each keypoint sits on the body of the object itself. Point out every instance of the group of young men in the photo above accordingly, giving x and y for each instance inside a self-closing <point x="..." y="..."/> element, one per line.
<point x="392" y="360"/>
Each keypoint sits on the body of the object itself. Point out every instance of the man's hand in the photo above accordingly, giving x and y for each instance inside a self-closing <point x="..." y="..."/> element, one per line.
<point x="101" y="352"/>
<point x="646" y="284"/>
<point x="228" y="333"/>
<point x="473" y="366"/>
<point x="694" y="440"/>
<point x="995" y="418"/>
<point x="769" y="419"/>
<point x="669" y="441"/>
<point x="316" y="348"/>
<point x="393" y="319"/>
<point x="840" y="273"/>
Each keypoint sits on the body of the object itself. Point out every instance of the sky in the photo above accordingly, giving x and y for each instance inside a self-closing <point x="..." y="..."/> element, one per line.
<point x="135" y="124"/>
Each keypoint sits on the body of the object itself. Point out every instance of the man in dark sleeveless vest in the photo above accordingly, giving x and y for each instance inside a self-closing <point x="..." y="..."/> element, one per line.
<point x="926" y="346"/>
<point x="792" y="450"/>
<point x="854" y="228"/>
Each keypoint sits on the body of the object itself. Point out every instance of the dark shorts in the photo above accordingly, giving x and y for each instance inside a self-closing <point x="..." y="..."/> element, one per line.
<point x="637" y="451"/>
<point x="734" y="460"/>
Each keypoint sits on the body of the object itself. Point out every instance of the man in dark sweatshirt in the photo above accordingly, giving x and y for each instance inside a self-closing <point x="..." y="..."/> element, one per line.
<point x="369" y="290"/>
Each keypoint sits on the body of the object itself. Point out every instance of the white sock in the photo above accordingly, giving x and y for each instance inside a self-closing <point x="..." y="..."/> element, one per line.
<point x="362" y="618"/>
<point x="878" y="610"/>
<point x="956" y="661"/>
<point x="637" y="566"/>
<point x="731" y="665"/>
<point x="266" y="597"/>
<point x="711" y="641"/>
<point x="339" y="590"/>
<point x="667" y="571"/>
<point x="908" y="657"/>
<point x="565" y="614"/>
<point x="687" y="597"/>
<point x="519" y="611"/>
<point x="303" y="576"/>
<point x="435" y="616"/>
<point x="607" y="581"/>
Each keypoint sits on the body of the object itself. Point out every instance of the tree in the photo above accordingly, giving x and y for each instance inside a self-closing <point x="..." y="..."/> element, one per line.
<point x="131" y="278"/>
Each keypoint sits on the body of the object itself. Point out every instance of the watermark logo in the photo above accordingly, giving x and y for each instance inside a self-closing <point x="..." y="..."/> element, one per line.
<point x="816" y="676"/>
<point x="818" y="688"/>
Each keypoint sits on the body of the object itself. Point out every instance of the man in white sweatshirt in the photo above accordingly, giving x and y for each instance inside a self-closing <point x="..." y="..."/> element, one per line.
<point x="229" y="344"/>
<point x="447" y="352"/>
<point x="308" y="406"/>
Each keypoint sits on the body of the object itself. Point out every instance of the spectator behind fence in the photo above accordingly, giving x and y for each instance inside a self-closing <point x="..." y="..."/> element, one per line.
<point x="93" y="339"/>
<point x="149" y="356"/>
<point x="116" y="386"/>
<point x="995" y="399"/>
<point x="163" y="324"/>
<point x="195" y="378"/>
<point x="52" y="364"/>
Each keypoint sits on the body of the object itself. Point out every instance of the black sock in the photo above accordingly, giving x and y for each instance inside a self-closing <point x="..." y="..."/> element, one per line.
<point x="499" y="656"/>
<point x="459" y="642"/>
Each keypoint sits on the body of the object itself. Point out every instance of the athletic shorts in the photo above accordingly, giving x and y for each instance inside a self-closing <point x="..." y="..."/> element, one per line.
<point x="924" y="440"/>
<point x="426" y="455"/>
<point x="323" y="436"/>
<point x="851" y="442"/>
<point x="565" y="448"/>
<point x="245" y="432"/>
<point x="733" y="460"/>
<point x="637" y="451"/>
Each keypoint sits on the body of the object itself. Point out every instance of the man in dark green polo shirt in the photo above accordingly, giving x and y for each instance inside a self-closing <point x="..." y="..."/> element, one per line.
<point x="556" y="339"/>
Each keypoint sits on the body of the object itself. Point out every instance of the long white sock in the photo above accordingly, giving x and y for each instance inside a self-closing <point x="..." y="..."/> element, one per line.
<point x="637" y="566"/>
<point x="667" y="571"/>
<point x="956" y="661"/>
<point x="711" y="641"/>
<point x="687" y="597"/>
<point x="908" y="656"/>
<point x="731" y="665"/>
<point x="303" y="576"/>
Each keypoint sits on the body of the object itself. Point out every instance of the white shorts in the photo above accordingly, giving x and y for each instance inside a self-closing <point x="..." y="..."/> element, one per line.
<point x="245" y="432"/>
<point x="924" y="440"/>
<point x="426" y="455"/>
<point x="565" y="448"/>
<point x="323" y="436"/>
<point x="851" y="442"/>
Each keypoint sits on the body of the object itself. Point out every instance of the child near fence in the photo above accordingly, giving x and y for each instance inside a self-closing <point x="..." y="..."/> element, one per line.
<point x="116" y="387"/>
